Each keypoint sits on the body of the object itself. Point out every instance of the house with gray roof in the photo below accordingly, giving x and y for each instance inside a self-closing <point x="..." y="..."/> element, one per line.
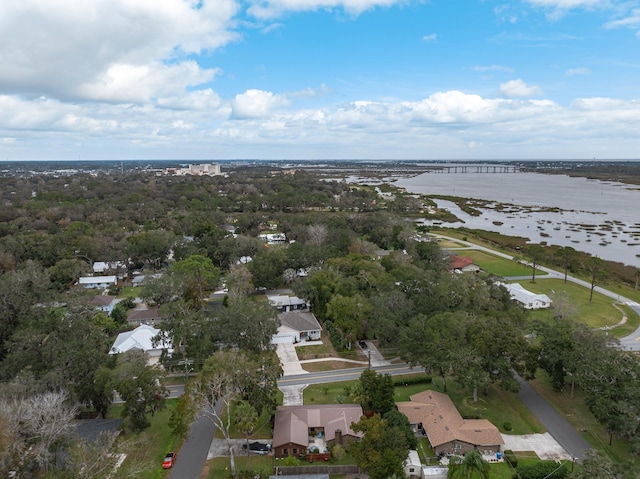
<point x="296" y="326"/>
<point x="142" y="338"/>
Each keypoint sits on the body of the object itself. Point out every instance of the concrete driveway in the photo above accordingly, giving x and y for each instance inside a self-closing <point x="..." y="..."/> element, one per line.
<point x="544" y="445"/>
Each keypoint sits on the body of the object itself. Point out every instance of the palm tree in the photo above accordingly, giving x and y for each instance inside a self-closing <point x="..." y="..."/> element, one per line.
<point x="246" y="420"/>
<point x="472" y="466"/>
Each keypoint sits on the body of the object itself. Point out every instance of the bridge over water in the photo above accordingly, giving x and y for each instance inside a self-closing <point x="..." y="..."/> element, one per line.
<point x="475" y="169"/>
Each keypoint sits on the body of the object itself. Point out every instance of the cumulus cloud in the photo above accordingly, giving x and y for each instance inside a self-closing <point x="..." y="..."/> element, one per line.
<point x="446" y="124"/>
<point x="256" y="104"/>
<point x="578" y="71"/>
<point x="518" y="88"/>
<point x="70" y="46"/>
<point x="432" y="37"/>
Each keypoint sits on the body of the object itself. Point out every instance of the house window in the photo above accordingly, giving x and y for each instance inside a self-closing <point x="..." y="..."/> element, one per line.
<point x="285" y="451"/>
<point x="295" y="450"/>
<point x="411" y="469"/>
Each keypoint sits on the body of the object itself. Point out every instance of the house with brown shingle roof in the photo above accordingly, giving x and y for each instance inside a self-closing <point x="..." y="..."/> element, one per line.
<point x="298" y="429"/>
<point x="144" y="315"/>
<point x="105" y="302"/>
<point x="434" y="415"/>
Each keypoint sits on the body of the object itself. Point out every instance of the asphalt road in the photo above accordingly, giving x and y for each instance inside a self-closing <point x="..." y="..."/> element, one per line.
<point x="630" y="342"/>
<point x="561" y="430"/>
<point x="193" y="455"/>
<point x="346" y="375"/>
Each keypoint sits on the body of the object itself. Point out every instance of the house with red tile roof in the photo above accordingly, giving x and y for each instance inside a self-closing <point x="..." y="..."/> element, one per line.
<point x="434" y="415"/>
<point x="463" y="264"/>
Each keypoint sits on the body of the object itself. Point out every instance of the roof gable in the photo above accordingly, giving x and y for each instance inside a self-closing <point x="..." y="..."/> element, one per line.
<point x="292" y="423"/>
<point x="139" y="338"/>
<point x="300" y="321"/>
<point x="443" y="423"/>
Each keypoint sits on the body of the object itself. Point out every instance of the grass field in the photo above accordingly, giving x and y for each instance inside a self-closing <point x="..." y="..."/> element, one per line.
<point x="499" y="266"/>
<point x="146" y="450"/>
<point x="329" y="366"/>
<point x="600" y="313"/>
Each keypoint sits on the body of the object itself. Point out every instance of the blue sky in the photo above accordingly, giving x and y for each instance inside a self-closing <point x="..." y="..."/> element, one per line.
<point x="319" y="79"/>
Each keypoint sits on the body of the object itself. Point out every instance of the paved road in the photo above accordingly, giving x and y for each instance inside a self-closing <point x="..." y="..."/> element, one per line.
<point x="561" y="430"/>
<point x="630" y="342"/>
<point x="346" y="374"/>
<point x="192" y="456"/>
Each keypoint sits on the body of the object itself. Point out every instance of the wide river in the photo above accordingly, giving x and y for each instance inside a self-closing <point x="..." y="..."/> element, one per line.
<point x="601" y="218"/>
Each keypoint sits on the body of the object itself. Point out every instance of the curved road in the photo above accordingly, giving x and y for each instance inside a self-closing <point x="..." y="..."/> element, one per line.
<point x="630" y="342"/>
<point x="193" y="454"/>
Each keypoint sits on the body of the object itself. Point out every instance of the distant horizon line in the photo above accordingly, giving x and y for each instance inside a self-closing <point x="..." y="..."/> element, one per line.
<point x="305" y="160"/>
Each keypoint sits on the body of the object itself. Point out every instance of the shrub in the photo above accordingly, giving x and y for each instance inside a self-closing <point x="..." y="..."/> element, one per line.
<point x="507" y="426"/>
<point x="543" y="469"/>
<point x="337" y="451"/>
<point x="290" y="461"/>
<point x="413" y="380"/>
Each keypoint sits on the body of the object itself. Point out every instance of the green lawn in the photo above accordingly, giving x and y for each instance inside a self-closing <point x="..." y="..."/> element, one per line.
<point x="499" y="406"/>
<point x="218" y="468"/>
<point x="146" y="450"/>
<point x="499" y="266"/>
<point x="577" y="413"/>
<point x="599" y="313"/>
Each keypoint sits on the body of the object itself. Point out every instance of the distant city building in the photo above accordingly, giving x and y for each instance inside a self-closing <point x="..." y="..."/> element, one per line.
<point x="203" y="169"/>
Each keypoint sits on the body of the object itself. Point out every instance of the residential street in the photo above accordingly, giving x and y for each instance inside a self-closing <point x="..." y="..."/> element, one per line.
<point x="558" y="427"/>
<point x="193" y="454"/>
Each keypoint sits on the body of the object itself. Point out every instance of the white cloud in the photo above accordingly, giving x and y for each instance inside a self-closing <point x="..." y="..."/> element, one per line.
<point x="568" y="4"/>
<point x="578" y="71"/>
<point x="265" y="9"/>
<point x="432" y="37"/>
<point x="256" y="104"/>
<point x="61" y="48"/>
<point x="518" y="88"/>
<point x="632" y="21"/>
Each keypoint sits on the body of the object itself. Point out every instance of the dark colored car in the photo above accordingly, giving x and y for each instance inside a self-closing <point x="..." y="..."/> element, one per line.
<point x="169" y="460"/>
<point x="362" y="344"/>
<point x="258" y="447"/>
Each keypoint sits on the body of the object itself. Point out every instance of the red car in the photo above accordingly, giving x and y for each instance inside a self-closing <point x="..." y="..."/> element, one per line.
<point x="169" y="460"/>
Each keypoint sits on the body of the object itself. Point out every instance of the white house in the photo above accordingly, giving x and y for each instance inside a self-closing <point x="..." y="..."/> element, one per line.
<point x="97" y="281"/>
<point x="296" y="326"/>
<point x="285" y="303"/>
<point x="274" y="238"/>
<point x="142" y="338"/>
<point x="528" y="299"/>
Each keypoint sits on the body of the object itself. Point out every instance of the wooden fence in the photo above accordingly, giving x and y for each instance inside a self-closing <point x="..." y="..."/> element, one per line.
<point x="319" y="469"/>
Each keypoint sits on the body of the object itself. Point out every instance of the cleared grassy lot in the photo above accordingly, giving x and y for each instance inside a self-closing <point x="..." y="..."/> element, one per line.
<point x="600" y="313"/>
<point x="499" y="266"/>
<point x="146" y="450"/>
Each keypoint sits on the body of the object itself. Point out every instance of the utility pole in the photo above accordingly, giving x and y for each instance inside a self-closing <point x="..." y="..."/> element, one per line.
<point x="369" y="356"/>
